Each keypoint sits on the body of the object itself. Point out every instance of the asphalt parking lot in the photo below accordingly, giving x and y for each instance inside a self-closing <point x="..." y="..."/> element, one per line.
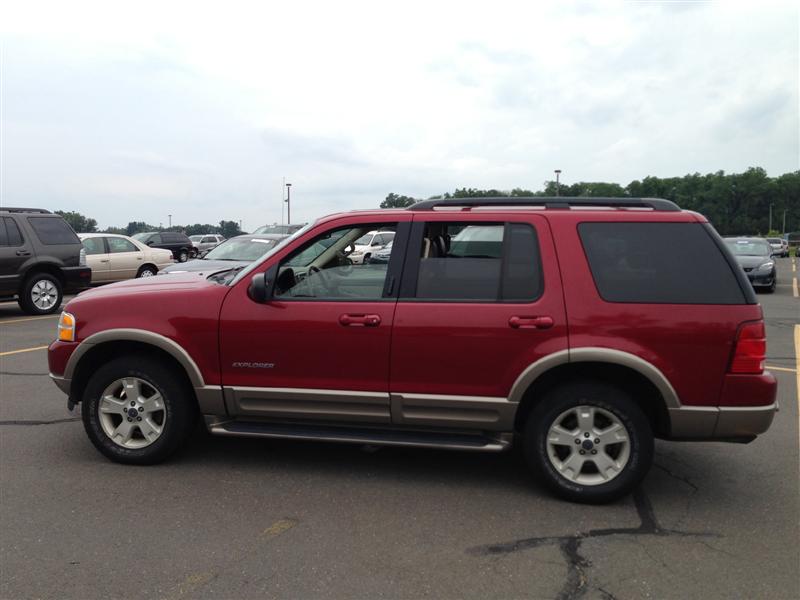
<point x="251" y="518"/>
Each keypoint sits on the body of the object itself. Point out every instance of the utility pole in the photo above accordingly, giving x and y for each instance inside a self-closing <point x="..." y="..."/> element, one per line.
<point x="170" y="220"/>
<point x="770" y="219"/>
<point x="783" y="229"/>
<point x="558" y="185"/>
<point x="288" y="203"/>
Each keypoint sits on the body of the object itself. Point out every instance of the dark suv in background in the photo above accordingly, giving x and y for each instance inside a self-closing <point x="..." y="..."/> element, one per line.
<point x="41" y="258"/>
<point x="179" y="244"/>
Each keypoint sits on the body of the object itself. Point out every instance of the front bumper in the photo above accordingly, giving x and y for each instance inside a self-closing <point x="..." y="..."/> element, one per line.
<point x="761" y="279"/>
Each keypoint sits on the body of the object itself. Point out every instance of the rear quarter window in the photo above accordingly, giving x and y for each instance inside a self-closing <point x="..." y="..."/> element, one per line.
<point x="658" y="263"/>
<point x="53" y="231"/>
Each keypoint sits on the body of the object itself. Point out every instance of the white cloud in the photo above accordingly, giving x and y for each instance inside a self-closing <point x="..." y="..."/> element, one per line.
<point x="125" y="112"/>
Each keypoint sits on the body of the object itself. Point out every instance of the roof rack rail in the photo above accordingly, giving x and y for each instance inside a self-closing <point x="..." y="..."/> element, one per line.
<point x="549" y="202"/>
<point x="15" y="209"/>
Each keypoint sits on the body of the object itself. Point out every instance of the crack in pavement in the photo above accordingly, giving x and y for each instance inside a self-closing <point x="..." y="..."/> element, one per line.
<point x="577" y="581"/>
<point x="36" y="422"/>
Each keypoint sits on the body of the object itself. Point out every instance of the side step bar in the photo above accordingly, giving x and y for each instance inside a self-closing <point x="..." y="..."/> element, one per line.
<point x="382" y="437"/>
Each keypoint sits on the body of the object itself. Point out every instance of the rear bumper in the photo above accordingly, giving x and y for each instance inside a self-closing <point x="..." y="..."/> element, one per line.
<point x="76" y="278"/>
<point x="721" y="423"/>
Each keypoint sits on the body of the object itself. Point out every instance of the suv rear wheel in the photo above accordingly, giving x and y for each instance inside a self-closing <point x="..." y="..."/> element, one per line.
<point x="137" y="411"/>
<point x="589" y="442"/>
<point x="41" y="294"/>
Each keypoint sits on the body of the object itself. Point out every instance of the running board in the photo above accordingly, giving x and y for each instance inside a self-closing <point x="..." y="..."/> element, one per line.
<point x="381" y="437"/>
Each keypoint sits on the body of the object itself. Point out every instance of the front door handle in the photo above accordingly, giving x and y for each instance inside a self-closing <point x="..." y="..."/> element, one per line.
<point x="360" y="320"/>
<point x="23" y="253"/>
<point x="530" y="322"/>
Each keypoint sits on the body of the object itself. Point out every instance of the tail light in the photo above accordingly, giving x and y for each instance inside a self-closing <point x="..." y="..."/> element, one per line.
<point x="82" y="258"/>
<point x="751" y="349"/>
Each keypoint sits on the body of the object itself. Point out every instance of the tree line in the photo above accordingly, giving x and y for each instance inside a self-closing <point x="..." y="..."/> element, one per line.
<point x="735" y="203"/>
<point x="83" y="224"/>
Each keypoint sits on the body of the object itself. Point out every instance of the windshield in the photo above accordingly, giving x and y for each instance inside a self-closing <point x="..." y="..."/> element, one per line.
<point x="364" y="240"/>
<point x="240" y="248"/>
<point x="774" y="240"/>
<point x="141" y="236"/>
<point x="196" y="238"/>
<point x="252" y="266"/>
<point x="749" y="247"/>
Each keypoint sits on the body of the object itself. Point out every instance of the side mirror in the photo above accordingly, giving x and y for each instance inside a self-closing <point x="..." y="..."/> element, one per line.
<point x="258" y="291"/>
<point x="376" y="244"/>
<point x="149" y="242"/>
<point x="262" y="285"/>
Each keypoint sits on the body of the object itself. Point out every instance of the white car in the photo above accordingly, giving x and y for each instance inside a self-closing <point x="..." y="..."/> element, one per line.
<point x="369" y="243"/>
<point x="780" y="247"/>
<point x="115" y="257"/>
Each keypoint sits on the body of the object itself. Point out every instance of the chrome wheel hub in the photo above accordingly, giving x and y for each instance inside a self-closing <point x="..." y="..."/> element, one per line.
<point x="132" y="413"/>
<point x="588" y="445"/>
<point x="44" y="294"/>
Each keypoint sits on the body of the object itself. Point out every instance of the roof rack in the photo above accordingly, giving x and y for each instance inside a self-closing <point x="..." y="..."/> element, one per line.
<point x="549" y="202"/>
<point x="14" y="209"/>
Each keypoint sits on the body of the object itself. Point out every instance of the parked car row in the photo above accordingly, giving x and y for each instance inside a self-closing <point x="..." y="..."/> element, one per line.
<point x="535" y="324"/>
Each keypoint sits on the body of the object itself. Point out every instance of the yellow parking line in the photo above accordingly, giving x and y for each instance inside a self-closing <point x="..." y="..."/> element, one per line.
<point x="780" y="369"/>
<point x="794" y="288"/>
<point x="28" y="319"/>
<point x="23" y="350"/>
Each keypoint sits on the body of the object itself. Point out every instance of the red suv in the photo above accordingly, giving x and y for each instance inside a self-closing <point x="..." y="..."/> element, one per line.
<point x="586" y="326"/>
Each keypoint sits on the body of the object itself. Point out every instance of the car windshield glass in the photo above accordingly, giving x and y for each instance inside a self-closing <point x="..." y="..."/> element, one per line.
<point x="287" y="240"/>
<point x="364" y="240"/>
<point x="749" y="247"/>
<point x="141" y="236"/>
<point x="240" y="248"/>
<point x="195" y="238"/>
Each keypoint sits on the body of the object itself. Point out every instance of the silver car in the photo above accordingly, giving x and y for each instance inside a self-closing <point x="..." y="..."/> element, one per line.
<point x="206" y="241"/>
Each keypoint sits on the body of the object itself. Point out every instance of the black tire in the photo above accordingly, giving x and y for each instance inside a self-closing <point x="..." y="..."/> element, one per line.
<point x="25" y="299"/>
<point x="147" y="271"/>
<point x="183" y="255"/>
<point x="773" y="286"/>
<point x="366" y="260"/>
<point x="179" y="407"/>
<point x="608" y="398"/>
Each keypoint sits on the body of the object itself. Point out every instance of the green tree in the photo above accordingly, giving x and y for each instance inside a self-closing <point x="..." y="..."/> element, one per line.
<point x="395" y="201"/>
<point x="229" y="229"/>
<point x="79" y="222"/>
<point x="135" y="227"/>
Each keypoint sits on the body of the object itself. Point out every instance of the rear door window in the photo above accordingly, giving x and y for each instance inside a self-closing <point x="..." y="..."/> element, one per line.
<point x="12" y="230"/>
<point x="658" y="263"/>
<point x="479" y="262"/>
<point x="120" y="245"/>
<point x="53" y="231"/>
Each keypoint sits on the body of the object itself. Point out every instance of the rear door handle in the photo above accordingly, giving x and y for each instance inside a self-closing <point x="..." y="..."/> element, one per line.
<point x="530" y="322"/>
<point x="23" y="253"/>
<point x="349" y="320"/>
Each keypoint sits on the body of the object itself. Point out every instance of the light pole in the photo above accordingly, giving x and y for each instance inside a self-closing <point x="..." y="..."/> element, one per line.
<point x="783" y="229"/>
<point x="558" y="185"/>
<point x="170" y="220"/>
<point x="288" y="203"/>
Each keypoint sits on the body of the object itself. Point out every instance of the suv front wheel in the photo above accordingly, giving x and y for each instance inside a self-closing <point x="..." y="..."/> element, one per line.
<point x="589" y="442"/>
<point x="137" y="411"/>
<point x="41" y="294"/>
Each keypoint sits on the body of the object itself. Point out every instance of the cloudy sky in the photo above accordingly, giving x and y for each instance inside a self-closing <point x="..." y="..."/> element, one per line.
<point x="199" y="110"/>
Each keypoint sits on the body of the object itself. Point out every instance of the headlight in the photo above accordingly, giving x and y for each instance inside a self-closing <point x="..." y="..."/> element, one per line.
<point x="357" y="253"/>
<point x="66" y="327"/>
<point x="767" y="266"/>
